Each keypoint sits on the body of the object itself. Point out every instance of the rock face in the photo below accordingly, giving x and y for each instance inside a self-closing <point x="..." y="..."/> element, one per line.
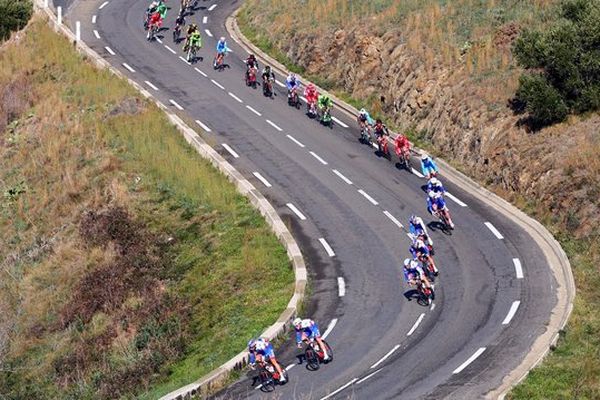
<point x="459" y="104"/>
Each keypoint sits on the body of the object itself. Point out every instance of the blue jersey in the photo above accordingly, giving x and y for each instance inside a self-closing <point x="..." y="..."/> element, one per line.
<point x="309" y="329"/>
<point x="415" y="251"/>
<point x="439" y="203"/>
<point x="267" y="352"/>
<point x="413" y="273"/>
<point x="436" y="189"/>
<point x="222" y="47"/>
<point x="416" y="229"/>
<point x="428" y="166"/>
<point x="292" y="83"/>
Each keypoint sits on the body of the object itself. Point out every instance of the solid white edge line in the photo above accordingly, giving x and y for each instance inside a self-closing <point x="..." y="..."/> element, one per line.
<point x="341" y="286"/>
<point x="511" y="313"/>
<point x="184" y="60"/>
<point x="293" y="139"/>
<point x="342" y="176"/>
<point x="200" y="72"/>
<point x="151" y="85"/>
<point x="212" y="7"/>
<point x="315" y="155"/>
<point x="368" y="376"/>
<point x="103" y="5"/>
<point x="469" y="360"/>
<point x="329" y="328"/>
<point x="455" y="199"/>
<point x="382" y="359"/>
<point x="366" y="196"/>
<point x="204" y="19"/>
<point x="235" y="97"/>
<point x="262" y="179"/>
<point x="217" y="84"/>
<point x="343" y="125"/>
<point x="393" y="219"/>
<point x="208" y="33"/>
<point x="273" y="125"/>
<point x="253" y="110"/>
<point x="230" y="150"/>
<point x="94" y="19"/>
<point x="494" y="230"/>
<point x="339" y="390"/>
<point x="206" y="128"/>
<point x="518" y="268"/>
<point x="128" y="67"/>
<point x="296" y="211"/>
<point x="416" y="325"/>
<point x="170" y="49"/>
<point x="290" y="367"/>
<point x="417" y="173"/>
<point x="96" y="34"/>
<point x="111" y="52"/>
<point x="327" y="247"/>
<point x="279" y="83"/>
<point x="175" y="104"/>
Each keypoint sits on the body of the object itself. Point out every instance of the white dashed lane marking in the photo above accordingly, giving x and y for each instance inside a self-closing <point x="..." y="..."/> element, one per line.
<point x="200" y="72"/>
<point x="212" y="7"/>
<point x="340" y="123"/>
<point x="128" y="67"/>
<point x="217" y="84"/>
<point x="518" y="268"/>
<point x="456" y="200"/>
<point x="94" y="19"/>
<point x="341" y="287"/>
<point x="296" y="211"/>
<point x="204" y="19"/>
<point x="253" y="110"/>
<point x="96" y="34"/>
<point x="235" y="97"/>
<point x="184" y="60"/>
<point x="209" y="33"/>
<point x="230" y="150"/>
<point x="511" y="313"/>
<point x="175" y="104"/>
<point x="366" y="196"/>
<point x="293" y="139"/>
<point x="274" y="126"/>
<point x="315" y="155"/>
<point x="110" y="51"/>
<point x="494" y="230"/>
<point x="416" y="325"/>
<point x="342" y="176"/>
<point x="103" y="5"/>
<point x="203" y="126"/>
<point x="382" y="359"/>
<point x="327" y="247"/>
<point x="262" y="179"/>
<point x="417" y="173"/>
<point x="329" y="328"/>
<point x="159" y="40"/>
<point x="170" y="49"/>
<point x="469" y="360"/>
<point x="151" y="85"/>
<point x="393" y="219"/>
<point x="280" y="83"/>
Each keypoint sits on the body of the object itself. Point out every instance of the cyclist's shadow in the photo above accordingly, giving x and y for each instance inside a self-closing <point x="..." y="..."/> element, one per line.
<point x="411" y="294"/>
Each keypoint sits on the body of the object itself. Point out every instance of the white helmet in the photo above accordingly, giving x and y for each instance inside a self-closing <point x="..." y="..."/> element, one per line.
<point x="431" y="194"/>
<point x="297" y="322"/>
<point x="407" y="262"/>
<point x="261" y="344"/>
<point x="434" y="181"/>
<point x="419" y="243"/>
<point x="222" y="39"/>
<point x="424" y="156"/>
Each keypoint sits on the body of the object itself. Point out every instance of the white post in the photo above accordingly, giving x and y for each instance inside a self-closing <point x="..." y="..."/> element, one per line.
<point x="78" y="30"/>
<point x="45" y="3"/>
<point x="59" y="15"/>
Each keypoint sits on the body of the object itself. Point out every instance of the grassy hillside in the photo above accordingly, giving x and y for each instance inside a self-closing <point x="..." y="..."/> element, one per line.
<point x="443" y="71"/>
<point x="129" y="264"/>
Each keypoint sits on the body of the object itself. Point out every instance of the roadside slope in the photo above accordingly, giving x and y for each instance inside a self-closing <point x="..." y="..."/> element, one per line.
<point x="121" y="272"/>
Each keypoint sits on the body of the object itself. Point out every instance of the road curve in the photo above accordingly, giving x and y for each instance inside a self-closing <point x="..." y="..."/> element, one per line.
<point x="345" y="206"/>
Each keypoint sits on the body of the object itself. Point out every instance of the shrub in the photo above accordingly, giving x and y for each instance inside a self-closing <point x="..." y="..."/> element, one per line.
<point x="14" y="15"/>
<point x="563" y="64"/>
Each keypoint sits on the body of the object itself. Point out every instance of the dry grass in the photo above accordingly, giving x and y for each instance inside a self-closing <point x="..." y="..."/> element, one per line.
<point x="111" y="257"/>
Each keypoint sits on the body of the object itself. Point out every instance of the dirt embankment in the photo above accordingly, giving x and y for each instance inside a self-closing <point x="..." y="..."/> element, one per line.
<point x="457" y="101"/>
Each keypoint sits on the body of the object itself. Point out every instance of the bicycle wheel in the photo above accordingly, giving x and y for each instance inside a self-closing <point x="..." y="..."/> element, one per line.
<point x="312" y="360"/>
<point x="266" y="381"/>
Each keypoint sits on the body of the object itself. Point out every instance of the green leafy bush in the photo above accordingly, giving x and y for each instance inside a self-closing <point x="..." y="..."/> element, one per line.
<point x="14" y="15"/>
<point x="563" y="64"/>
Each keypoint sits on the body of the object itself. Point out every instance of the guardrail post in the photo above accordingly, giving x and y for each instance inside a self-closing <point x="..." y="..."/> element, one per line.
<point x="78" y="31"/>
<point x="59" y="15"/>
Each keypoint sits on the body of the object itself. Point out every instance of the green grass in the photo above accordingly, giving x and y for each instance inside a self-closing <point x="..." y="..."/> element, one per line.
<point x="208" y="272"/>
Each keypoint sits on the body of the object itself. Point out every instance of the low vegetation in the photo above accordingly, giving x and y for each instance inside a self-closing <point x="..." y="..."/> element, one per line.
<point x="444" y="73"/>
<point x="14" y="15"/>
<point x="129" y="266"/>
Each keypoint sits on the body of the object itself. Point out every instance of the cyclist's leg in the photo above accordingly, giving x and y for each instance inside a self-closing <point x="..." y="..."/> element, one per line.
<point x="270" y="355"/>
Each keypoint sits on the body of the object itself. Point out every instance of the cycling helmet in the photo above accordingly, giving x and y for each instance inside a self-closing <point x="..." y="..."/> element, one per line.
<point x="413" y="219"/>
<point x="261" y="344"/>
<point x="251" y="344"/>
<point x="297" y="322"/>
<point x="407" y="262"/>
<point x="434" y="181"/>
<point x="431" y="194"/>
<point x="362" y="111"/>
<point x="419" y="243"/>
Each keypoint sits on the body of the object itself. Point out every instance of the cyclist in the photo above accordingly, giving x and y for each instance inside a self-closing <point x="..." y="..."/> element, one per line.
<point x="324" y="103"/>
<point x="402" y="146"/>
<point x="308" y="329"/>
<point x="413" y="272"/>
<point x="155" y="21"/>
<point x="434" y="185"/>
<point x="436" y="205"/>
<point x="195" y="40"/>
<point x="381" y="133"/>
<point x="364" y="119"/>
<point x="188" y="35"/>
<point x="312" y="96"/>
<point x="417" y="228"/>
<point x="149" y="11"/>
<point x="268" y="74"/>
<point x="428" y="166"/>
<point x="251" y="62"/>
<point x="292" y="82"/>
<point x="162" y="9"/>
<point x="222" y="49"/>
<point x="261" y="350"/>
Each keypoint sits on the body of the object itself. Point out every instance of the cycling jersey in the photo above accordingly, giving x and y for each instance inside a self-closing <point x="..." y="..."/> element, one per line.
<point x="308" y="330"/>
<point x="428" y="166"/>
<point x="267" y="352"/>
<point x="437" y="202"/>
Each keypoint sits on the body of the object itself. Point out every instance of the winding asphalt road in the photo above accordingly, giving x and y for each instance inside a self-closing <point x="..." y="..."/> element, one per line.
<point x="347" y="208"/>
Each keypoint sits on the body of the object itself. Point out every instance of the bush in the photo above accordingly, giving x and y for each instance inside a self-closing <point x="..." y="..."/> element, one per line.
<point x="14" y="15"/>
<point x="563" y="63"/>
